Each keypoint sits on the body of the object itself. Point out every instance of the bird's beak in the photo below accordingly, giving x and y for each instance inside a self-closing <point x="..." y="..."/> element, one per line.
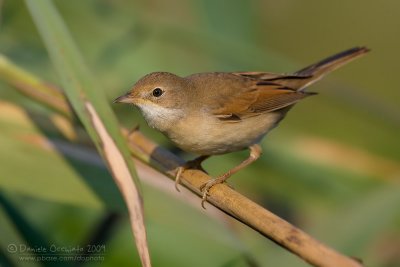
<point x="126" y="98"/>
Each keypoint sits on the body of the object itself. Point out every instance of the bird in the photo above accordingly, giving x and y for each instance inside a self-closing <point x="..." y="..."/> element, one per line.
<point x="215" y="113"/>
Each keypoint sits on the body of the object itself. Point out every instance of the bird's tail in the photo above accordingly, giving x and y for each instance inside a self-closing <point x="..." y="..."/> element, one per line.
<point x="320" y="69"/>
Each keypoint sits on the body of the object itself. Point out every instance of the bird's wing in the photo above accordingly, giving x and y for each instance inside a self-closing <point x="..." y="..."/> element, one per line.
<point x="257" y="97"/>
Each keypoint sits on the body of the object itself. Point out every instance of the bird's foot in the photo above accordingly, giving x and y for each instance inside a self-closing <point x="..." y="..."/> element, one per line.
<point x="192" y="164"/>
<point x="205" y="188"/>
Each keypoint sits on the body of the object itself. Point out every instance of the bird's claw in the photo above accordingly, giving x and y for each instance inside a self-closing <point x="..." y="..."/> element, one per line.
<point x="205" y="188"/>
<point x="178" y="177"/>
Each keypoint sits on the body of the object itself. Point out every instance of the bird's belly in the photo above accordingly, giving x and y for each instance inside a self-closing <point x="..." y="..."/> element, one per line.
<point x="213" y="137"/>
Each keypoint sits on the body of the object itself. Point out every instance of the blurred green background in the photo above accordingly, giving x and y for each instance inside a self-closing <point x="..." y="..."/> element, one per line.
<point x="331" y="167"/>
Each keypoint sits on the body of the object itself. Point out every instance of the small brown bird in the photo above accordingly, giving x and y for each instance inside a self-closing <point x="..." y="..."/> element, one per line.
<point x="221" y="112"/>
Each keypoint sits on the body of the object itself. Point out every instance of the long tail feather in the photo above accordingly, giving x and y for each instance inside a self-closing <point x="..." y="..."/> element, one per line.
<point x="323" y="67"/>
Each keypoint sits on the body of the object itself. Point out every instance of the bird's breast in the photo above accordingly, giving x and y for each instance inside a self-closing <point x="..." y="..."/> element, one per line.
<point x="207" y="135"/>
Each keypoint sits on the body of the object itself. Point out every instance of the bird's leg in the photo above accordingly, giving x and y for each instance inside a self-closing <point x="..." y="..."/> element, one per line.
<point x="192" y="164"/>
<point x="255" y="152"/>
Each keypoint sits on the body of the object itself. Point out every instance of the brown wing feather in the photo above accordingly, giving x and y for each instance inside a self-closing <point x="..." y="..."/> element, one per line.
<point x="278" y="101"/>
<point x="257" y="100"/>
<point x="292" y="81"/>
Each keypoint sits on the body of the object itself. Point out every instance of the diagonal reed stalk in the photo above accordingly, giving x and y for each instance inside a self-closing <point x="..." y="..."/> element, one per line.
<point x="91" y="107"/>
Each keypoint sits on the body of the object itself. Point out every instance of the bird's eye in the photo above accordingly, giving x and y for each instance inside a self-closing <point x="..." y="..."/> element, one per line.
<point x="157" y="92"/>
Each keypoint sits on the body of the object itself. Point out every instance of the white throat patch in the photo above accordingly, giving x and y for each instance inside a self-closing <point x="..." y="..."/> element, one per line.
<point x="159" y="117"/>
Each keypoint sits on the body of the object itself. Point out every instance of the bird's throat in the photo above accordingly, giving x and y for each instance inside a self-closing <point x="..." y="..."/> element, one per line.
<point x="159" y="117"/>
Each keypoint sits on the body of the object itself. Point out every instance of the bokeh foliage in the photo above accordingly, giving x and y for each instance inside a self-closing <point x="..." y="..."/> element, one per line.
<point x="332" y="166"/>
